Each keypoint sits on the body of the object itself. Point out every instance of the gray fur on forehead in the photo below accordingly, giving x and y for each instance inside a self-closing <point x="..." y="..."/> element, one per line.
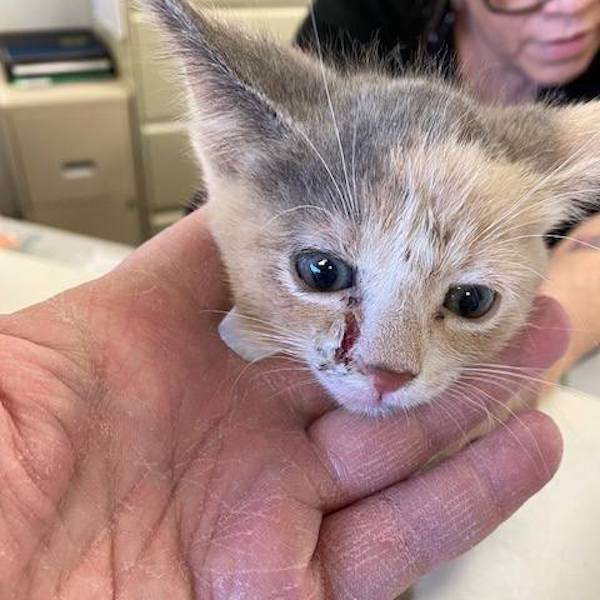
<point x="373" y="120"/>
<point x="372" y="112"/>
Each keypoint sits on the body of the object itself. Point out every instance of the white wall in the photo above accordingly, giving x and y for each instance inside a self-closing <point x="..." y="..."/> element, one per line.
<point x="41" y="14"/>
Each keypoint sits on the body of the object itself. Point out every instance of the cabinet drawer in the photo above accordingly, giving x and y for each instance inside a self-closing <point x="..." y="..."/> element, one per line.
<point x="107" y="217"/>
<point x="172" y="175"/>
<point x="161" y="93"/>
<point x="72" y="151"/>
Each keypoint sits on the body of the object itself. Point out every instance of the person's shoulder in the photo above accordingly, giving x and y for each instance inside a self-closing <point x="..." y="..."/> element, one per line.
<point x="341" y="25"/>
<point x="374" y="13"/>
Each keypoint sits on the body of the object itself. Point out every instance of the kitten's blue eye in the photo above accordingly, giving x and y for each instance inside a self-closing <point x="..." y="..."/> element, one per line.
<point x="470" y="301"/>
<point x="323" y="272"/>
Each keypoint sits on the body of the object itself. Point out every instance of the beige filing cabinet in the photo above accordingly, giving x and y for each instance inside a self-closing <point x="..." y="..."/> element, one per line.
<point x="70" y="151"/>
<point x="170" y="173"/>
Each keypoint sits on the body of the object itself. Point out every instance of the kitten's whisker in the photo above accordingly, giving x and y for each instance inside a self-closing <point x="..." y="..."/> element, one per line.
<point x="558" y="198"/>
<point x="514" y="415"/>
<point x="330" y="103"/>
<point x="535" y="272"/>
<point x="438" y="402"/>
<point x="498" y="374"/>
<point x="297" y="367"/>
<point x="505" y="366"/>
<point x="501" y="384"/>
<point x="290" y="358"/>
<point x="280" y="372"/>
<point x="485" y="377"/>
<point x="554" y="236"/>
<point x="294" y="209"/>
<point x="310" y="144"/>
<point x="560" y="169"/>
<point x="269" y="326"/>
<point x="498" y="371"/>
<point x="245" y="370"/>
<point x="294" y="386"/>
<point x="504" y="407"/>
<point x="464" y="396"/>
<point x="354" y="161"/>
<point x="288" y="340"/>
<point x="570" y="329"/>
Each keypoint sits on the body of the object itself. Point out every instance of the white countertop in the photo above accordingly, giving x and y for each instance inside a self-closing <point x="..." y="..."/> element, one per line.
<point x="42" y="261"/>
<point x="548" y="550"/>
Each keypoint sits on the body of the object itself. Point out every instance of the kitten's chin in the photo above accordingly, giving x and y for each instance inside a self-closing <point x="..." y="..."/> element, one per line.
<point x="358" y="395"/>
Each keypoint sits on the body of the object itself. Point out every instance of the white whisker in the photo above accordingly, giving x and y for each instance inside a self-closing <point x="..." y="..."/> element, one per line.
<point x="330" y="102"/>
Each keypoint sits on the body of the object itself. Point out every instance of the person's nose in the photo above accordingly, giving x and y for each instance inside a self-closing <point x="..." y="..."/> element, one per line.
<point x="567" y="7"/>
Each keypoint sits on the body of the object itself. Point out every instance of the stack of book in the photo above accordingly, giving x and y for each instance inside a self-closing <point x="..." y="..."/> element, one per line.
<point x="45" y="57"/>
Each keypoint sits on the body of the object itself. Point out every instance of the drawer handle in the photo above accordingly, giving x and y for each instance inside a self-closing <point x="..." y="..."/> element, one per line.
<point x="79" y="169"/>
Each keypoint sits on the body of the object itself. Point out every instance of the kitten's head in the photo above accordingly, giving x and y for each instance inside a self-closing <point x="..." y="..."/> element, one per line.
<point x="387" y="232"/>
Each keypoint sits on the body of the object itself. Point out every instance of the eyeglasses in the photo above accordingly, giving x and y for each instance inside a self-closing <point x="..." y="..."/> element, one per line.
<point x="514" y="7"/>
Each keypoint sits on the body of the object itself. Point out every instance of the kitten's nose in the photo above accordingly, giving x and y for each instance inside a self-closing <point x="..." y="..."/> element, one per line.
<point x="386" y="381"/>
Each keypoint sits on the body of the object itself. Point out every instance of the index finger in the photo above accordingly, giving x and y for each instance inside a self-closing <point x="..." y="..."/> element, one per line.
<point x="364" y="455"/>
<point x="380" y="546"/>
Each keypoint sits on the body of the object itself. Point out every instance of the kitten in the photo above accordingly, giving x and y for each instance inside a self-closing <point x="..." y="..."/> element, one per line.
<point x="387" y="232"/>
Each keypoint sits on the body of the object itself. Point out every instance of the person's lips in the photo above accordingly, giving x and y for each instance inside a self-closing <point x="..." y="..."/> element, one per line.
<point x="568" y="47"/>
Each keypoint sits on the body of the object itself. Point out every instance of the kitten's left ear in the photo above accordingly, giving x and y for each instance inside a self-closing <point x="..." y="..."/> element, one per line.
<point x="562" y="144"/>
<point x="575" y="183"/>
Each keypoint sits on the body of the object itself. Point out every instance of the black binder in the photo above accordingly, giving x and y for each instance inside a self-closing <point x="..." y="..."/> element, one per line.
<point x="65" y="52"/>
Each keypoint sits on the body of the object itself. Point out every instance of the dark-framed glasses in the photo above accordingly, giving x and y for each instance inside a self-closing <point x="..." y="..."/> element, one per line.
<point x="514" y="7"/>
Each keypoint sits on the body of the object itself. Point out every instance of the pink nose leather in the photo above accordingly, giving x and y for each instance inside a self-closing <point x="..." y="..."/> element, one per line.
<point x="389" y="381"/>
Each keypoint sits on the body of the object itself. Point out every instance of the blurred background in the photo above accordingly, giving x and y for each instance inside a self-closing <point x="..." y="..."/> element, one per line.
<point x="91" y="136"/>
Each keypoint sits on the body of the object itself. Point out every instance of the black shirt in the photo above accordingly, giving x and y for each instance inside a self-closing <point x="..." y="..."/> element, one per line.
<point x="405" y="30"/>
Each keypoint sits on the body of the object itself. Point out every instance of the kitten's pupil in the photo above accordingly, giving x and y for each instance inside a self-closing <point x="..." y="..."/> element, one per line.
<point x="470" y="301"/>
<point x="324" y="273"/>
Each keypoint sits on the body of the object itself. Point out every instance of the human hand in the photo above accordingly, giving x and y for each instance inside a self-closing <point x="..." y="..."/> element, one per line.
<point x="574" y="280"/>
<point x="141" y="459"/>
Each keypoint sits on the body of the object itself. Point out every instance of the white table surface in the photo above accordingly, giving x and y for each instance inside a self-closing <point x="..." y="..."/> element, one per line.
<point x="47" y="261"/>
<point x="547" y="551"/>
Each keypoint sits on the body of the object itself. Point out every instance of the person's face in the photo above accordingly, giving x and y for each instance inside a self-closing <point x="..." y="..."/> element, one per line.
<point x="552" y="45"/>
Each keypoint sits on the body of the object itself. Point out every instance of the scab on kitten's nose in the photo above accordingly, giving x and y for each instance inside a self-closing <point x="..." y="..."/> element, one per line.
<point x="386" y="381"/>
<point x="351" y="333"/>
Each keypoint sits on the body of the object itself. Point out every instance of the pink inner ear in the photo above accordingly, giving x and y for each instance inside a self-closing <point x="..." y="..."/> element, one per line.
<point x="350" y="336"/>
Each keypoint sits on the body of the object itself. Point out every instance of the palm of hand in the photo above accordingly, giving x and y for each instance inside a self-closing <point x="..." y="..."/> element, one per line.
<point x="140" y="459"/>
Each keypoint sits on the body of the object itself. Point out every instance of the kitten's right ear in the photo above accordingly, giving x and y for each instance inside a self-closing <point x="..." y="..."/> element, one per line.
<point x="244" y="91"/>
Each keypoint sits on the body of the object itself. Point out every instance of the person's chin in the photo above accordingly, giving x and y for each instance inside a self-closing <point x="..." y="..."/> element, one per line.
<point x="549" y="72"/>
